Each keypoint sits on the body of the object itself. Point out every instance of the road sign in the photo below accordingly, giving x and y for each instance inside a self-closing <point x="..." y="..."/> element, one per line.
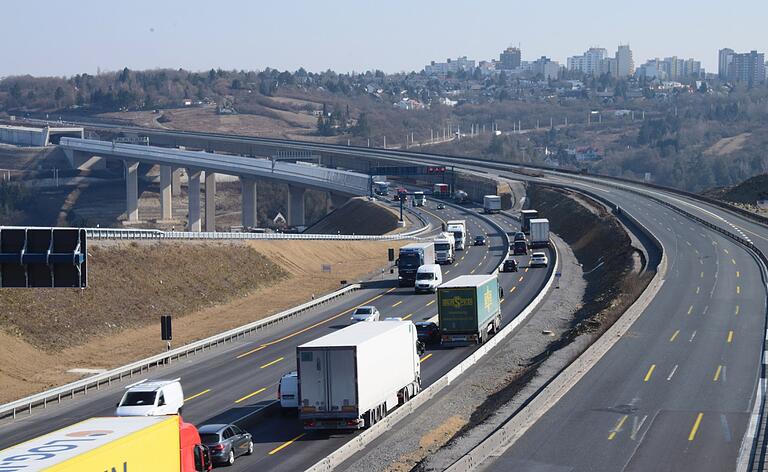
<point x="43" y="258"/>
<point x="166" y="328"/>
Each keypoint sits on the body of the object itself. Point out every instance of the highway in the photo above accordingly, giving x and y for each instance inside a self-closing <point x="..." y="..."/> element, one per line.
<point x="677" y="392"/>
<point x="228" y="383"/>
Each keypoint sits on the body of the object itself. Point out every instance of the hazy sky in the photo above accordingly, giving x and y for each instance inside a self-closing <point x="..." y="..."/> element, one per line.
<point x="63" y="38"/>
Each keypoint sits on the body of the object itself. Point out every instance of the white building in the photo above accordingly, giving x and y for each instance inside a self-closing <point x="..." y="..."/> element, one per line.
<point x="453" y="66"/>
<point x="590" y="63"/>
<point x="625" y="65"/>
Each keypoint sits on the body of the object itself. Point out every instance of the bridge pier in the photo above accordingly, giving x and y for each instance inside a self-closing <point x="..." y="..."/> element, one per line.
<point x="132" y="190"/>
<point x="249" y="206"/>
<point x="166" y="196"/>
<point x="194" y="199"/>
<point x="175" y="181"/>
<point x="210" y="201"/>
<point x="296" y="205"/>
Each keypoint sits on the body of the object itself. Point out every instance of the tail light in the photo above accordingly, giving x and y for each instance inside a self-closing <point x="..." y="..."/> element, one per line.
<point x="310" y="423"/>
<point x="353" y="422"/>
<point x="218" y="447"/>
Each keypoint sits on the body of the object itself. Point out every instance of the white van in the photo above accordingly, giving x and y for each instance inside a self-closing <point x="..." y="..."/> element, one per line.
<point x="288" y="390"/>
<point x="428" y="277"/>
<point x="152" y="398"/>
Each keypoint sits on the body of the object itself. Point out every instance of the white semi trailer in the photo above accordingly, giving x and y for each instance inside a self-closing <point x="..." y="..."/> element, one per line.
<point x="352" y="378"/>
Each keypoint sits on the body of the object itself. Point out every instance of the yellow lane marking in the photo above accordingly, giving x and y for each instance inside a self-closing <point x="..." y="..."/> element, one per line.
<point x="286" y="444"/>
<point x="431" y="302"/>
<point x="448" y="271"/>
<point x="698" y="289"/>
<point x="738" y="289"/>
<point x="730" y="337"/>
<point x="650" y="372"/>
<point x="674" y="336"/>
<point x="250" y="395"/>
<point x="688" y="243"/>
<point x="526" y="269"/>
<point x="398" y="303"/>
<point x="197" y="395"/>
<point x="725" y="251"/>
<point x="717" y="373"/>
<point x="617" y="428"/>
<point x="733" y="261"/>
<point x="272" y="363"/>
<point x="701" y="276"/>
<point x="426" y="357"/>
<point x="501" y="301"/>
<point x="512" y="289"/>
<point x="520" y="279"/>
<point x="690" y="309"/>
<point x="738" y="274"/>
<point x="472" y="271"/>
<point x="695" y="427"/>
<point x="737" y="310"/>
<point x="319" y="323"/>
<point x="407" y="316"/>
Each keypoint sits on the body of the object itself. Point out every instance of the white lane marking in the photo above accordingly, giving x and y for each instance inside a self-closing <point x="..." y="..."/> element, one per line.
<point x="674" y="369"/>
<point x="692" y="336"/>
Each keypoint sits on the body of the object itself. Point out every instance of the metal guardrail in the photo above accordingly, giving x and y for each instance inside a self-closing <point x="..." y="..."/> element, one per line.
<point x="128" y="371"/>
<point x="107" y="233"/>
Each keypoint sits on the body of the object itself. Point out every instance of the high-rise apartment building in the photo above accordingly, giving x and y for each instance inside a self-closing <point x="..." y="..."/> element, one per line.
<point x="509" y="59"/>
<point x="625" y="65"/>
<point x="724" y="57"/>
<point x="590" y="63"/>
<point x="747" y="67"/>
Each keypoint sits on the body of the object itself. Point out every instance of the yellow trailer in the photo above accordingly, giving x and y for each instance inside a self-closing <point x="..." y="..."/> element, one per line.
<point x="112" y="444"/>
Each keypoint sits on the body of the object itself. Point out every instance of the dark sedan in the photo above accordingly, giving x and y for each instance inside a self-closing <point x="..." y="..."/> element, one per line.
<point x="226" y="442"/>
<point x="480" y="240"/>
<point x="428" y="332"/>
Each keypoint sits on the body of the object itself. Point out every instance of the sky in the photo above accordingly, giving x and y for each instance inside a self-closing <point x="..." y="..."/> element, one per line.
<point x="48" y="38"/>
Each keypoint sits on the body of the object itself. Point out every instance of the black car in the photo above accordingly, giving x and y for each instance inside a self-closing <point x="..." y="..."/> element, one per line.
<point x="510" y="265"/>
<point x="519" y="236"/>
<point x="428" y="332"/>
<point x="480" y="240"/>
<point x="226" y="442"/>
<point x="440" y="206"/>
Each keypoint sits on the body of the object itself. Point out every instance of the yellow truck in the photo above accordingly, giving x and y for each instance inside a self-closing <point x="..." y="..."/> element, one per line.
<point x="112" y="444"/>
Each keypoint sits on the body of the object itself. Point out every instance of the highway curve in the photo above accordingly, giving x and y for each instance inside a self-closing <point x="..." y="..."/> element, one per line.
<point x="228" y="383"/>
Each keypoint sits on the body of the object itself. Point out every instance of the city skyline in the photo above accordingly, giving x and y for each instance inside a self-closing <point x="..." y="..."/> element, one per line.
<point x="344" y="38"/>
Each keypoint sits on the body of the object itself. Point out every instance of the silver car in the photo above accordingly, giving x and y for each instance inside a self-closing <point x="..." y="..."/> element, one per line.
<point x="226" y="442"/>
<point x="365" y="313"/>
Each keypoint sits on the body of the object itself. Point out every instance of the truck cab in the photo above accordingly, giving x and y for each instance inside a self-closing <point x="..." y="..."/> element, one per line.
<point x="411" y="257"/>
<point x="459" y="230"/>
<point x="445" y="246"/>
<point x="419" y="199"/>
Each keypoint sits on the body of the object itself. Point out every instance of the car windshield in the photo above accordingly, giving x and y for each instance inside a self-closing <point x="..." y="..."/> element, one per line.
<point x="422" y="328"/>
<point x="425" y="276"/>
<point x="409" y="260"/>
<point x="138" y="399"/>
<point x="364" y="311"/>
<point x="210" y="438"/>
<point x="442" y="246"/>
<point x="457" y="234"/>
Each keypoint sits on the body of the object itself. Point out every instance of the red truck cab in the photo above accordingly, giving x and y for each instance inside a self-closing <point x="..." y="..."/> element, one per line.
<point x="194" y="455"/>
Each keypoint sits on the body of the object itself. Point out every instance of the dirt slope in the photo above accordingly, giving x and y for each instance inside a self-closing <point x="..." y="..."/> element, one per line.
<point x="297" y="273"/>
<point x="357" y="216"/>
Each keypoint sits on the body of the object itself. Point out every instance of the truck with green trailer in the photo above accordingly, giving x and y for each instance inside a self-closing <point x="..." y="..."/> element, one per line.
<point x="469" y="309"/>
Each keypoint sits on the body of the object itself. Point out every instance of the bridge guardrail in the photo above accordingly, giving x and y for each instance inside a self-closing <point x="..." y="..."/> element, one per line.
<point x="128" y="371"/>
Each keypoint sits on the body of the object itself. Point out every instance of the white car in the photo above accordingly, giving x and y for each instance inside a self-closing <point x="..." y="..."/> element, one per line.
<point x="538" y="259"/>
<point x="152" y="398"/>
<point x="365" y="313"/>
<point x="393" y="318"/>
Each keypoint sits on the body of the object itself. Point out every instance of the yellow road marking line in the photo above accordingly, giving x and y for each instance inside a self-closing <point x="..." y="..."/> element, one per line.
<point x="730" y="337"/>
<point x="407" y="316"/>
<point x="448" y="271"/>
<point x="690" y="309"/>
<point x="674" y="336"/>
<point x="617" y="428"/>
<point x="695" y="428"/>
<point x="512" y="289"/>
<point x="526" y="269"/>
<point x="738" y="289"/>
<point x="431" y="302"/>
<point x="398" y="303"/>
<point x="319" y="323"/>
<point x="250" y="395"/>
<point x="701" y="276"/>
<point x="733" y="261"/>
<point x="717" y="373"/>
<point x="272" y="363"/>
<point x="737" y="309"/>
<point x="286" y="444"/>
<point x="425" y="357"/>
<point x="472" y="271"/>
<point x="520" y="279"/>
<point x="725" y="251"/>
<point x="650" y="372"/>
<point x="738" y="274"/>
<point x="197" y="395"/>
<point x="698" y="289"/>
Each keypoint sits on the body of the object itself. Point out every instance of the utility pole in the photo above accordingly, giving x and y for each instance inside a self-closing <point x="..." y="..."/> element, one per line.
<point x="385" y="142"/>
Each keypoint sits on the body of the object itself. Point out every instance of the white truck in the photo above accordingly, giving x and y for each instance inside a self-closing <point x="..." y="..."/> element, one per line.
<point x="419" y="199"/>
<point x="539" y="232"/>
<point x="352" y="378"/>
<point x="459" y="230"/>
<point x="491" y="204"/>
<point x="445" y="247"/>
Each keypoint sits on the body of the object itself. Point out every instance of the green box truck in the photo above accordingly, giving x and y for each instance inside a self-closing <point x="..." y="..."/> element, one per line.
<point x="468" y="309"/>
